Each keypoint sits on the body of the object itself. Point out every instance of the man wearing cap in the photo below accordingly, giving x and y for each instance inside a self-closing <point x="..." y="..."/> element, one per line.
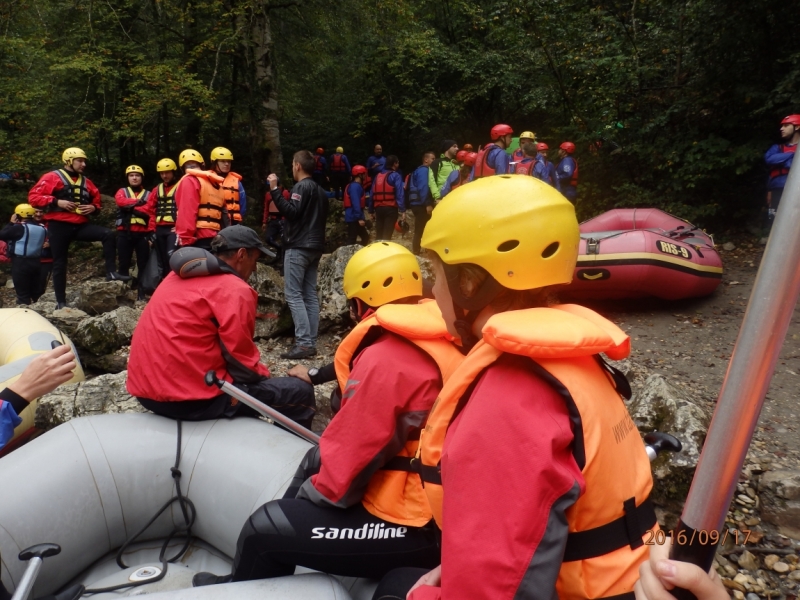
<point x="442" y="167"/>
<point x="779" y="161"/>
<point x="202" y="318"/>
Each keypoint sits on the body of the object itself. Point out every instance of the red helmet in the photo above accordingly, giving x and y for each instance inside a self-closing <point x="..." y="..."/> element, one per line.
<point x="500" y="130"/>
<point x="792" y="120"/>
<point x="467" y="147"/>
<point x="358" y="170"/>
<point x="470" y="159"/>
<point x="542" y="146"/>
<point x="568" y="147"/>
<point x="320" y="151"/>
<point x="401" y="227"/>
<point x="461" y="155"/>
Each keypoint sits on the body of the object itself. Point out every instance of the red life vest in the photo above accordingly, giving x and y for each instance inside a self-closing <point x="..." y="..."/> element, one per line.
<point x="481" y="168"/>
<point x="347" y="202"/>
<point x="318" y="166"/>
<point x="337" y="163"/>
<point x="777" y="172"/>
<point x="573" y="181"/>
<point x="518" y="155"/>
<point x="524" y="168"/>
<point x="382" y="192"/>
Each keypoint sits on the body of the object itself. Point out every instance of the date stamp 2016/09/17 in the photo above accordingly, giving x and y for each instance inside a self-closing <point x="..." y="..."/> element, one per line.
<point x="700" y="536"/>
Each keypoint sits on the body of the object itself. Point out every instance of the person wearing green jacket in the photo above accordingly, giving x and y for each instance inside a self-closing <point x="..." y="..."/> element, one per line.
<point x="442" y="167"/>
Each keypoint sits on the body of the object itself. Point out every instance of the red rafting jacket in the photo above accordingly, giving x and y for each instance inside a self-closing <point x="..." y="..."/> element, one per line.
<point x="270" y="209"/>
<point x="41" y="196"/>
<point x="509" y="476"/>
<point x="187" y="329"/>
<point x="149" y="209"/>
<point x="390" y="378"/>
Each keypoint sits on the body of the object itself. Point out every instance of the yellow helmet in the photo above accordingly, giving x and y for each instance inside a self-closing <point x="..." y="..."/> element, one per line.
<point x="188" y="155"/>
<point x="519" y="229"/>
<point x="71" y="153"/>
<point x="339" y="149"/>
<point x="382" y="272"/>
<point x="24" y="211"/>
<point x="527" y="135"/>
<point x="166" y="164"/>
<point x="135" y="169"/>
<point x="220" y="153"/>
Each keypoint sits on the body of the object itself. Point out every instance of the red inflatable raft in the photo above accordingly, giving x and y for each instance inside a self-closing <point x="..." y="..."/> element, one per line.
<point x="639" y="252"/>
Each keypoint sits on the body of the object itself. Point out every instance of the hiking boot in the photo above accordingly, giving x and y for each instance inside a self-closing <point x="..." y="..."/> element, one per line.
<point x="60" y="305"/>
<point x="300" y="352"/>
<point x="114" y="276"/>
<point x="201" y="579"/>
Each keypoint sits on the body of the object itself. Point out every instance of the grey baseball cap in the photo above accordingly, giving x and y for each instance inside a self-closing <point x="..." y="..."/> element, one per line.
<point x="239" y="236"/>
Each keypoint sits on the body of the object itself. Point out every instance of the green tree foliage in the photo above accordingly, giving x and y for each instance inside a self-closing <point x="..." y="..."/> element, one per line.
<point x="671" y="103"/>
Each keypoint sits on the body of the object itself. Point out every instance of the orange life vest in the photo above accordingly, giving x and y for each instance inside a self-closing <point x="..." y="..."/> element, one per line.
<point x="397" y="495"/>
<point x="564" y="341"/>
<point x="212" y="199"/>
<point x="230" y="188"/>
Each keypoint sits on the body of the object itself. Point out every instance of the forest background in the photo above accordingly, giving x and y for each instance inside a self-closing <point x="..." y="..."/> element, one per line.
<point x="683" y="96"/>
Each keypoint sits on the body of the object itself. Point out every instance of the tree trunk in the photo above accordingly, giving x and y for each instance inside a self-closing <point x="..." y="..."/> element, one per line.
<point x="262" y="85"/>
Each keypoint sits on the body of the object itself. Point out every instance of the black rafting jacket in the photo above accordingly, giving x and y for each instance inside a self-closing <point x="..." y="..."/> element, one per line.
<point x="305" y="212"/>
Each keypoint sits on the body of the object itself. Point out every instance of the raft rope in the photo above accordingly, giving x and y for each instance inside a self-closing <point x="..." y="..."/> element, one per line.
<point x="189" y="516"/>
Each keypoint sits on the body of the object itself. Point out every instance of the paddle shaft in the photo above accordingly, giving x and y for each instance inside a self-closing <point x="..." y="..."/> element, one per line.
<point x="261" y="408"/>
<point x="741" y="397"/>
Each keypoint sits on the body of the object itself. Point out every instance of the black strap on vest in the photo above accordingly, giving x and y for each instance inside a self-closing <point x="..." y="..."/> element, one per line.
<point x="624" y="531"/>
<point x="414" y="465"/>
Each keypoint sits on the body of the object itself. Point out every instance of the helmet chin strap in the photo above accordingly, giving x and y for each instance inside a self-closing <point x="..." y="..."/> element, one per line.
<point x="470" y="306"/>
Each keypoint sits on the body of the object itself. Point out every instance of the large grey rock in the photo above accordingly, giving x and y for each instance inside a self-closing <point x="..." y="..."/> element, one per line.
<point x="335" y="227"/>
<point x="273" y="316"/>
<point x="779" y="494"/>
<point x="103" y="394"/>
<point x="96" y="297"/>
<point x="67" y="319"/>
<point x="661" y="406"/>
<point x="43" y="307"/>
<point x="107" y="332"/>
<point x="332" y="301"/>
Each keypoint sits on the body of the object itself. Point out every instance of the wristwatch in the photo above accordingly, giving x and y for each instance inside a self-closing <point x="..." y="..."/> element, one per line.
<point x="312" y="372"/>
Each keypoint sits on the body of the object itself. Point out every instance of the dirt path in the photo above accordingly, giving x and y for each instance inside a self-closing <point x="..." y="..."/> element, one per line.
<point x="690" y="342"/>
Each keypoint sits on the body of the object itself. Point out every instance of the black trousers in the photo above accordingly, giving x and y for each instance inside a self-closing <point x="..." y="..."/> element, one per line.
<point x="274" y="237"/>
<point x="385" y="218"/>
<point x="44" y="276"/>
<point x="129" y="242"/>
<point x="338" y="182"/>
<point x="204" y="243"/>
<point x="165" y="245"/>
<point x="421" y="218"/>
<point x="290" y="396"/>
<point x="62" y="235"/>
<point x="26" y="274"/>
<point x="285" y="533"/>
<point x="356" y="231"/>
<point x="397" y="583"/>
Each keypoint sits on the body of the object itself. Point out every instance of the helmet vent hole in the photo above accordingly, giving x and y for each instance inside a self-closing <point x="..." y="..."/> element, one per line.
<point x="508" y="246"/>
<point x="365" y="285"/>
<point x="550" y="250"/>
<point x="384" y="243"/>
<point x="388" y="282"/>
<point x="415" y="275"/>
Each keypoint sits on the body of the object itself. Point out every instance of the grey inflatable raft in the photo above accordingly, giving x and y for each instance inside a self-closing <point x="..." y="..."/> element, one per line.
<point x="91" y="483"/>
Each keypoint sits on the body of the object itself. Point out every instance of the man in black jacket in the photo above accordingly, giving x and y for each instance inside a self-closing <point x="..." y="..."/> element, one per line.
<point x="304" y="241"/>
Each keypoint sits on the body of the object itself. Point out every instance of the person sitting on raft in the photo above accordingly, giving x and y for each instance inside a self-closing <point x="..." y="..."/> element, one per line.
<point x="44" y="374"/>
<point x="355" y="507"/>
<point x="202" y="318"/>
<point x="543" y="487"/>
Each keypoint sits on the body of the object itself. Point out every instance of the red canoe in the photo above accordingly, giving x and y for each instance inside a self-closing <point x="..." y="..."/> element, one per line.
<point x="640" y="252"/>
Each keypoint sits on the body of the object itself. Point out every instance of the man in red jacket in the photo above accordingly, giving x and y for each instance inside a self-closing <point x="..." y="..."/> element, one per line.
<point x="201" y="321"/>
<point x="68" y="198"/>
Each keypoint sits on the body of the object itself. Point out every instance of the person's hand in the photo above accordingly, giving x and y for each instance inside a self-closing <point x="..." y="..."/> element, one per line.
<point x="67" y="205"/>
<point x="14" y="218"/>
<point x="301" y="372"/>
<point x="660" y="574"/>
<point x="272" y="180"/>
<point x="429" y="209"/>
<point x="362" y="222"/>
<point x="45" y="373"/>
<point x="432" y="578"/>
<point x="86" y="209"/>
<point x="402" y="217"/>
<point x="46" y="244"/>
